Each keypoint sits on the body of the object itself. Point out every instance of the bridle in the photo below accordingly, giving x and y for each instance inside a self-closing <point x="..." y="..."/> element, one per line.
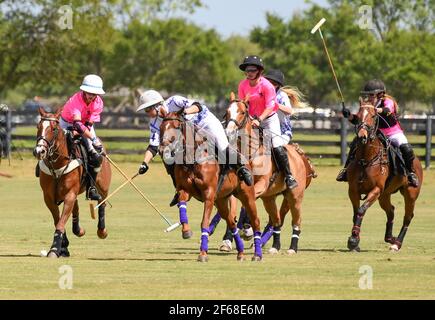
<point x="242" y="124"/>
<point x="49" y="145"/>
<point x="371" y="129"/>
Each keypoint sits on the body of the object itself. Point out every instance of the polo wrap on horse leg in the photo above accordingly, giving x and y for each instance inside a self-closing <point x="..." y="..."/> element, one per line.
<point x="276" y="238"/>
<point x="182" y="207"/>
<point x="408" y="156"/>
<point x="238" y="240"/>
<point x="284" y="166"/>
<point x="214" y="222"/>
<point x="295" y="238"/>
<point x="204" y="239"/>
<point x="267" y="234"/>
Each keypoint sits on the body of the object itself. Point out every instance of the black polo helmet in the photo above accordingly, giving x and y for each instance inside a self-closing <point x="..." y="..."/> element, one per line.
<point x="276" y="76"/>
<point x="252" y="61"/>
<point x="374" y="86"/>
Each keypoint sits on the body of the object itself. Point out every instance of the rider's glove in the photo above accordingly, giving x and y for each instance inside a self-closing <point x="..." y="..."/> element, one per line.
<point x="143" y="168"/>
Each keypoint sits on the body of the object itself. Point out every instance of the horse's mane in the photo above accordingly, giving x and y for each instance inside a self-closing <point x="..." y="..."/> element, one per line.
<point x="296" y="97"/>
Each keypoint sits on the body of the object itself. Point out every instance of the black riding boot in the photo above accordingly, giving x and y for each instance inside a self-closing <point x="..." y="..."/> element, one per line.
<point x="170" y="169"/>
<point x="408" y="156"/>
<point x="242" y="172"/>
<point x="92" y="190"/>
<point x="284" y="166"/>
<point x="342" y="175"/>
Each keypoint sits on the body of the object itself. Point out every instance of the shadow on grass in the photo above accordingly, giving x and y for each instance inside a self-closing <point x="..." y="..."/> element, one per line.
<point x="334" y="250"/>
<point x="28" y="255"/>
<point x="137" y="259"/>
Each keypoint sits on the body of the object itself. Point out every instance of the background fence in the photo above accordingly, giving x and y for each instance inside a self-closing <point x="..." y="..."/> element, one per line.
<point x="310" y="124"/>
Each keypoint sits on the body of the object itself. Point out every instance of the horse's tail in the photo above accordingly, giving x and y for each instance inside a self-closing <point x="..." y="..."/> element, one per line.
<point x="311" y="173"/>
<point x="296" y="97"/>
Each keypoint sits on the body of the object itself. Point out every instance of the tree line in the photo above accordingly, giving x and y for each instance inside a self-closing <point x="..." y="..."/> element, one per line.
<point x="143" y="44"/>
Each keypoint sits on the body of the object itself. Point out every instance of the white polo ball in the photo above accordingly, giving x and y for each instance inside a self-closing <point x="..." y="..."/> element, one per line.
<point x="43" y="253"/>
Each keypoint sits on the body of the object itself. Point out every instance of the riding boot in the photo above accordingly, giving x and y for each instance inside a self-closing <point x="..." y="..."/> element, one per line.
<point x="95" y="159"/>
<point x="242" y="172"/>
<point x="284" y="166"/>
<point x="92" y="190"/>
<point x="342" y="175"/>
<point x="170" y="169"/>
<point x="408" y="156"/>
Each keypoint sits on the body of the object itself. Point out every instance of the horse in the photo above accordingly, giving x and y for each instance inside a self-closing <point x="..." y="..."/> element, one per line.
<point x="62" y="179"/>
<point x="370" y="174"/>
<point x="200" y="180"/>
<point x="268" y="181"/>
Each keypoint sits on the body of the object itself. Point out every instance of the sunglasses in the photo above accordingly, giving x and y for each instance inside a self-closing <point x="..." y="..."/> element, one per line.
<point x="251" y="70"/>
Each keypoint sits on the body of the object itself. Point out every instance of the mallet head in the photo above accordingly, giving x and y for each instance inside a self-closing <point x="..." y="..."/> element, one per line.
<point x="318" y="25"/>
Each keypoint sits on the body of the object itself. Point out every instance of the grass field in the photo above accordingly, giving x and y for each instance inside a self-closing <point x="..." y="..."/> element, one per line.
<point x="139" y="261"/>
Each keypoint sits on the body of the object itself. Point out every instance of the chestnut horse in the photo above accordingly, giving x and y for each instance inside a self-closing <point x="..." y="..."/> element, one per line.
<point x="370" y="174"/>
<point x="199" y="179"/>
<point x="62" y="180"/>
<point x="268" y="181"/>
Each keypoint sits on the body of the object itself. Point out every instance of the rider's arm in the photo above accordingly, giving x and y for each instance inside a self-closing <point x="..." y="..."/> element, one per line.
<point x="150" y="153"/>
<point x="286" y="109"/>
<point x="194" y="108"/>
<point x="353" y="118"/>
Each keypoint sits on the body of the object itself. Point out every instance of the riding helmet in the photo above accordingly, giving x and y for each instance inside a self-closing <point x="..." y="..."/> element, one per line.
<point x="252" y="61"/>
<point x="276" y="76"/>
<point x="374" y="86"/>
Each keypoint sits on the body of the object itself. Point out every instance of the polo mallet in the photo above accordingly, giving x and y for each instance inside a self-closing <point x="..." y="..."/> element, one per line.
<point x="92" y="207"/>
<point x="313" y="31"/>
<point x="171" y="226"/>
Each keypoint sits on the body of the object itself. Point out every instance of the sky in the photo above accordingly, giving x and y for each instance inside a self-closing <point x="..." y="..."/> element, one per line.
<point x="240" y="16"/>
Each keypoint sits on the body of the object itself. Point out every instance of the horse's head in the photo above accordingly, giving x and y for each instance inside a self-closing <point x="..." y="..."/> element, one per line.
<point x="236" y="116"/>
<point x="48" y="130"/>
<point x="171" y="131"/>
<point x="367" y="127"/>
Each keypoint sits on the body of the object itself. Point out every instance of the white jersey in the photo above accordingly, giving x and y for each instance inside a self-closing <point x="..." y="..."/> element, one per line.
<point x="284" y="118"/>
<point x="206" y="122"/>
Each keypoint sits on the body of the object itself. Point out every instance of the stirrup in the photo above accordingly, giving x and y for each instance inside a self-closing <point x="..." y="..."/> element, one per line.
<point x="93" y="194"/>
<point x="244" y="175"/>
<point x="291" y="182"/>
<point x="342" y="175"/>
<point x="413" y="180"/>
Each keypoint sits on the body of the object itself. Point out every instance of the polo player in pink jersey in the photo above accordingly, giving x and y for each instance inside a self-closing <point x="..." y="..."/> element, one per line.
<point x="80" y="113"/>
<point x="374" y="92"/>
<point x="263" y="107"/>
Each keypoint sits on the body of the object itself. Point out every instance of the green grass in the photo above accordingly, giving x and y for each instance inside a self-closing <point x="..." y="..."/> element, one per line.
<point x="139" y="261"/>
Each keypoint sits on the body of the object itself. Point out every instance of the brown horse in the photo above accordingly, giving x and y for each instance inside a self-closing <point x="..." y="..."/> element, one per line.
<point x="370" y="174"/>
<point x="200" y="180"/>
<point x="269" y="182"/>
<point x="62" y="180"/>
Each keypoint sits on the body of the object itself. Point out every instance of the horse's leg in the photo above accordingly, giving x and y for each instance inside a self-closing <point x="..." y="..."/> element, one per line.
<point x="354" y="196"/>
<point x="353" y="240"/>
<point x="214" y="222"/>
<point x="59" y="234"/>
<point x="208" y="196"/>
<point x="385" y="203"/>
<point x="101" y="227"/>
<point x="247" y="197"/>
<point x="103" y="182"/>
<point x="295" y="203"/>
<point x="410" y="198"/>
<point x="271" y="208"/>
<point x="76" y="229"/>
<point x="183" y="197"/>
<point x="230" y="218"/>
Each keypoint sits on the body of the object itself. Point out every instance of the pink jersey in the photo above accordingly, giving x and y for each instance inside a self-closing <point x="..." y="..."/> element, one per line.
<point x="388" y="103"/>
<point x="77" y="108"/>
<point x="261" y="96"/>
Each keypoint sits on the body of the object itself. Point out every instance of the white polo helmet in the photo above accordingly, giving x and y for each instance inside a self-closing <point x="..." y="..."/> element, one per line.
<point x="92" y="84"/>
<point x="149" y="98"/>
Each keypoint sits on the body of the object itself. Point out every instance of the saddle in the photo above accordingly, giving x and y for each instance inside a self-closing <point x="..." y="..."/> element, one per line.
<point x="396" y="162"/>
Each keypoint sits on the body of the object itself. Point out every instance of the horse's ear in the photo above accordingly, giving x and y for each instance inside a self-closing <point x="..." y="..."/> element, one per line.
<point x="232" y="96"/>
<point x="246" y="100"/>
<point x="58" y="112"/>
<point x="42" y="111"/>
<point x="162" y="113"/>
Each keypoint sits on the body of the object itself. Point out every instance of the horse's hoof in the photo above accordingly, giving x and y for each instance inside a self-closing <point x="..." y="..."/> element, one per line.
<point x="394" y="248"/>
<point x="226" y="246"/>
<point x="52" y="254"/>
<point x="240" y="257"/>
<point x="202" y="258"/>
<point x="357" y="249"/>
<point x="352" y="243"/>
<point x="102" y="233"/>
<point x="81" y="233"/>
<point x="291" y="252"/>
<point x="391" y="240"/>
<point x="257" y="258"/>
<point x="273" y="251"/>
<point x="187" y="234"/>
